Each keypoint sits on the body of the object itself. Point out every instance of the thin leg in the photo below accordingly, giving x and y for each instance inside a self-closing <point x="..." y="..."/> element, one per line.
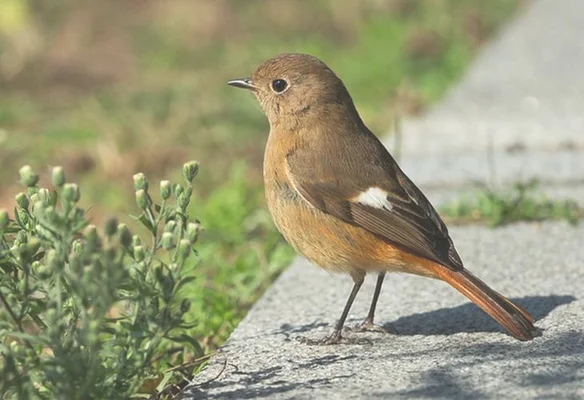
<point x="350" y="300"/>
<point x="371" y="314"/>
<point x="336" y="336"/>
<point x="367" y="325"/>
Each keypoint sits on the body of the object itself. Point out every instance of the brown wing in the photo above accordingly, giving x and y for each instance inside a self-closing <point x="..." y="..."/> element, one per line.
<point x="410" y="222"/>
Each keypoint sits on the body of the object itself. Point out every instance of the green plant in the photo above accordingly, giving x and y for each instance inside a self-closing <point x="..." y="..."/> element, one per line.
<point x="86" y="314"/>
<point x="521" y="202"/>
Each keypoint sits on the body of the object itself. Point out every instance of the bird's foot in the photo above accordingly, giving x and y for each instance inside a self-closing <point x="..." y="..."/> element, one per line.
<point x="334" y="338"/>
<point x="368" y="326"/>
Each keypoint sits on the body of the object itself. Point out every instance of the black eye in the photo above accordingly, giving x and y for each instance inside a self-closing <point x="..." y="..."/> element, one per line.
<point x="279" y="85"/>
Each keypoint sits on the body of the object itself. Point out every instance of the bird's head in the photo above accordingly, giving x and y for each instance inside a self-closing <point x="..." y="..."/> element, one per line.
<point x="293" y="86"/>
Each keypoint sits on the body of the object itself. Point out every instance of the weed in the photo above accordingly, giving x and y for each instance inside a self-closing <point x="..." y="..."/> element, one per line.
<point x="86" y="314"/>
<point x="522" y="202"/>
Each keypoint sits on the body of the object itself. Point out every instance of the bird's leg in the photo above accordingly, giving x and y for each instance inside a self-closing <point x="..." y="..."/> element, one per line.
<point x="336" y="337"/>
<point x="367" y="325"/>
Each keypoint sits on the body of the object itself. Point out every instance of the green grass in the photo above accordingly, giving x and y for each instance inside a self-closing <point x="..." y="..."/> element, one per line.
<point x="524" y="201"/>
<point x="161" y="99"/>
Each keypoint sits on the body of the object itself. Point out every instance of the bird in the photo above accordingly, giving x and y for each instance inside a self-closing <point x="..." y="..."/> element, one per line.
<point x="342" y="201"/>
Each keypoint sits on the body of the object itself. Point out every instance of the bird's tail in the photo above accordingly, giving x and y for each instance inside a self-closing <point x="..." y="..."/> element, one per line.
<point x="515" y="319"/>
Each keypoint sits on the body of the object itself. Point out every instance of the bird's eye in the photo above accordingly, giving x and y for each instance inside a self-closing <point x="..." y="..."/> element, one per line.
<point x="279" y="85"/>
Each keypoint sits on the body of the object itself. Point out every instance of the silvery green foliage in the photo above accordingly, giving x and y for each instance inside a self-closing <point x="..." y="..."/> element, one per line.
<point x="95" y="313"/>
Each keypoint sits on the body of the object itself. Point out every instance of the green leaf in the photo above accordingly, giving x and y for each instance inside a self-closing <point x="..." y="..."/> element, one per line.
<point x="147" y="223"/>
<point x="184" y="338"/>
<point x="184" y="281"/>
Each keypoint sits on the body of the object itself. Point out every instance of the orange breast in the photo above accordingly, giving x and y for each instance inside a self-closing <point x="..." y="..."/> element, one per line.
<point x="334" y="244"/>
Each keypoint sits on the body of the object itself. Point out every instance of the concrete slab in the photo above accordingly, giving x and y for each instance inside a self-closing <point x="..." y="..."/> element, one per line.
<point x="445" y="348"/>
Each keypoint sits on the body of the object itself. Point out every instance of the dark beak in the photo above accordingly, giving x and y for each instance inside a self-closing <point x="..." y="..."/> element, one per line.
<point x="244" y="83"/>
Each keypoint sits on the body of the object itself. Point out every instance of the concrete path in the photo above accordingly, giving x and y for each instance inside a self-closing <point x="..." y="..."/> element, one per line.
<point x="522" y="105"/>
<point x="446" y="347"/>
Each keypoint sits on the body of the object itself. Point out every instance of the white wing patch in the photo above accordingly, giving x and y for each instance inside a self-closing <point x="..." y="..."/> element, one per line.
<point x="374" y="197"/>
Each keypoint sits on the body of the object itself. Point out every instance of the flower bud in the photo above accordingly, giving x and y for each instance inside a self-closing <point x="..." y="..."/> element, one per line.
<point x="111" y="227"/>
<point x="28" y="177"/>
<point x="22" y="201"/>
<point x="58" y="176"/>
<point x="136" y="240"/>
<point x="193" y="231"/>
<point x="165" y="189"/>
<point x="190" y="170"/>
<point x="33" y="245"/>
<point x="178" y="190"/>
<point x="91" y="236"/>
<point x="170" y="226"/>
<point x="125" y="235"/>
<point x="140" y="182"/>
<point x="71" y="192"/>
<point x="183" y="201"/>
<point x="167" y="241"/>
<point x="184" y="248"/>
<point x="139" y="253"/>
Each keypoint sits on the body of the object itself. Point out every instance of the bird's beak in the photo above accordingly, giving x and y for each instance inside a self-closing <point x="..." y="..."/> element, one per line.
<point x="244" y="83"/>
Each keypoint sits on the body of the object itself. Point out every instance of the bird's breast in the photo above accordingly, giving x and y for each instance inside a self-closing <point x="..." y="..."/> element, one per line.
<point x="329" y="242"/>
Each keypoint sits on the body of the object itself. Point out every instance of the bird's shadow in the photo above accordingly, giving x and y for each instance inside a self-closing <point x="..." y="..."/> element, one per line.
<point x="468" y="318"/>
<point x="273" y="382"/>
<point x="554" y="363"/>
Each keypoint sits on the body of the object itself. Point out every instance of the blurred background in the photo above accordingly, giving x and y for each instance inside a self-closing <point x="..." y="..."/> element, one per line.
<point x="109" y="88"/>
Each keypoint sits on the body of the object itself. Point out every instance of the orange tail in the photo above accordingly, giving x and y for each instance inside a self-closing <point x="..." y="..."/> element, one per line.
<point x="515" y="319"/>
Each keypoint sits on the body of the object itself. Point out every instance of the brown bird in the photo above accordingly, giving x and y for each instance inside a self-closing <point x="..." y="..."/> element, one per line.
<point x="340" y="199"/>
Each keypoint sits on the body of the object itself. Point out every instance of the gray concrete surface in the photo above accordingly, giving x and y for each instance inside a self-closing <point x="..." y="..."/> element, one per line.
<point x="521" y="106"/>
<point x="445" y="347"/>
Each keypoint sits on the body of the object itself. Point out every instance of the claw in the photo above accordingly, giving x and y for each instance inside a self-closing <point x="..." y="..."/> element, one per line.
<point x="335" y="338"/>
<point x="369" y="326"/>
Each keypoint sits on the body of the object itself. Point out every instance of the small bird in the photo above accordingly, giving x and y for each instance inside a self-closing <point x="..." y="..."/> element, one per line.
<point x="340" y="199"/>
